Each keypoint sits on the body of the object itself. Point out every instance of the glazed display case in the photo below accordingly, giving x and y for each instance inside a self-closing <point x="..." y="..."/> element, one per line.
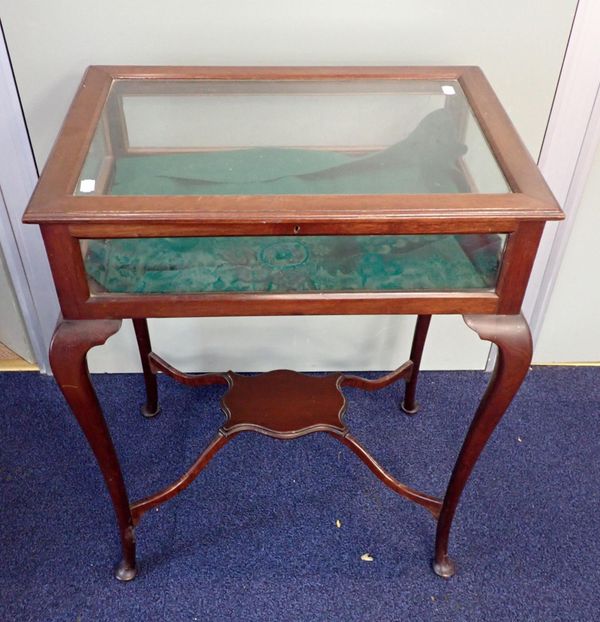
<point x="183" y="191"/>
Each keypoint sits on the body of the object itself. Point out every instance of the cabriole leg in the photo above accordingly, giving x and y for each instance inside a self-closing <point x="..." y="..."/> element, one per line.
<point x="151" y="407"/>
<point x="70" y="345"/>
<point x="409" y="405"/>
<point x="511" y="334"/>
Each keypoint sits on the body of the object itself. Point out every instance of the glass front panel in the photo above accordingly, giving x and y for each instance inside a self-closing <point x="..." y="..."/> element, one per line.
<point x="279" y="264"/>
<point x="210" y="137"/>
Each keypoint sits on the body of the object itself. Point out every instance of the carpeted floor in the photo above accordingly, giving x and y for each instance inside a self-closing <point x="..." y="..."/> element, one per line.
<point x="255" y="537"/>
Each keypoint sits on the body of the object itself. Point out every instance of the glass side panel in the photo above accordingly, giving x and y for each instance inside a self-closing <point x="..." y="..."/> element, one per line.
<point x="364" y="263"/>
<point x="209" y="137"/>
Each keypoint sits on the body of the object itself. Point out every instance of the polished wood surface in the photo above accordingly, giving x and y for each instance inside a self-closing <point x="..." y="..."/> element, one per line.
<point x="409" y="404"/>
<point x="284" y="404"/>
<point x="310" y="303"/>
<point x="68" y="351"/>
<point x="150" y="408"/>
<point x="511" y="334"/>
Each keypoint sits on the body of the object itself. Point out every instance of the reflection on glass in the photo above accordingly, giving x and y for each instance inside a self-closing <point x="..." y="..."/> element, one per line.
<point x="294" y="263"/>
<point x="292" y="137"/>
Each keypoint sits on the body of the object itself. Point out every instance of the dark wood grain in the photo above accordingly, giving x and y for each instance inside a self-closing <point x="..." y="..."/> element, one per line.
<point x="359" y="221"/>
<point x="519" y="168"/>
<point x="310" y="303"/>
<point x="68" y="351"/>
<point x="284" y="404"/>
<point x="428" y="212"/>
<point x="142" y="335"/>
<point x="511" y="334"/>
<point x="409" y="404"/>
<point x="516" y="266"/>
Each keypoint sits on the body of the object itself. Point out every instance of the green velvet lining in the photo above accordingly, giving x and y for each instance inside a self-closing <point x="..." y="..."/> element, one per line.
<point x="423" y="162"/>
<point x="286" y="264"/>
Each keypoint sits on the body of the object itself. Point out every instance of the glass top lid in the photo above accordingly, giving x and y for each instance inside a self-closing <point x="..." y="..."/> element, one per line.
<point x="348" y="137"/>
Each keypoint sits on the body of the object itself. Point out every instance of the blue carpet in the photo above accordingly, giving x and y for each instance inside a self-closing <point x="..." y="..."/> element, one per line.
<point x="255" y="537"/>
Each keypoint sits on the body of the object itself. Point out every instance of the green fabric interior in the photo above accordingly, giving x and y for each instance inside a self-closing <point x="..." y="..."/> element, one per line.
<point x="425" y="162"/>
<point x="289" y="264"/>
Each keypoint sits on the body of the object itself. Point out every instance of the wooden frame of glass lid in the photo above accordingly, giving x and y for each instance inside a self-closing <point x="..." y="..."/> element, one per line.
<point x="66" y="217"/>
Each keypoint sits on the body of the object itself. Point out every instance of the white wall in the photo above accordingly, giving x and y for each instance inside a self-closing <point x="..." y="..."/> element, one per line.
<point x="12" y="328"/>
<point x="571" y="328"/>
<point x="518" y="43"/>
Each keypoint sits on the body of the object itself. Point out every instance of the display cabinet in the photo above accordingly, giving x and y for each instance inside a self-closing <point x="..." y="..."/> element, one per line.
<point x="221" y="191"/>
